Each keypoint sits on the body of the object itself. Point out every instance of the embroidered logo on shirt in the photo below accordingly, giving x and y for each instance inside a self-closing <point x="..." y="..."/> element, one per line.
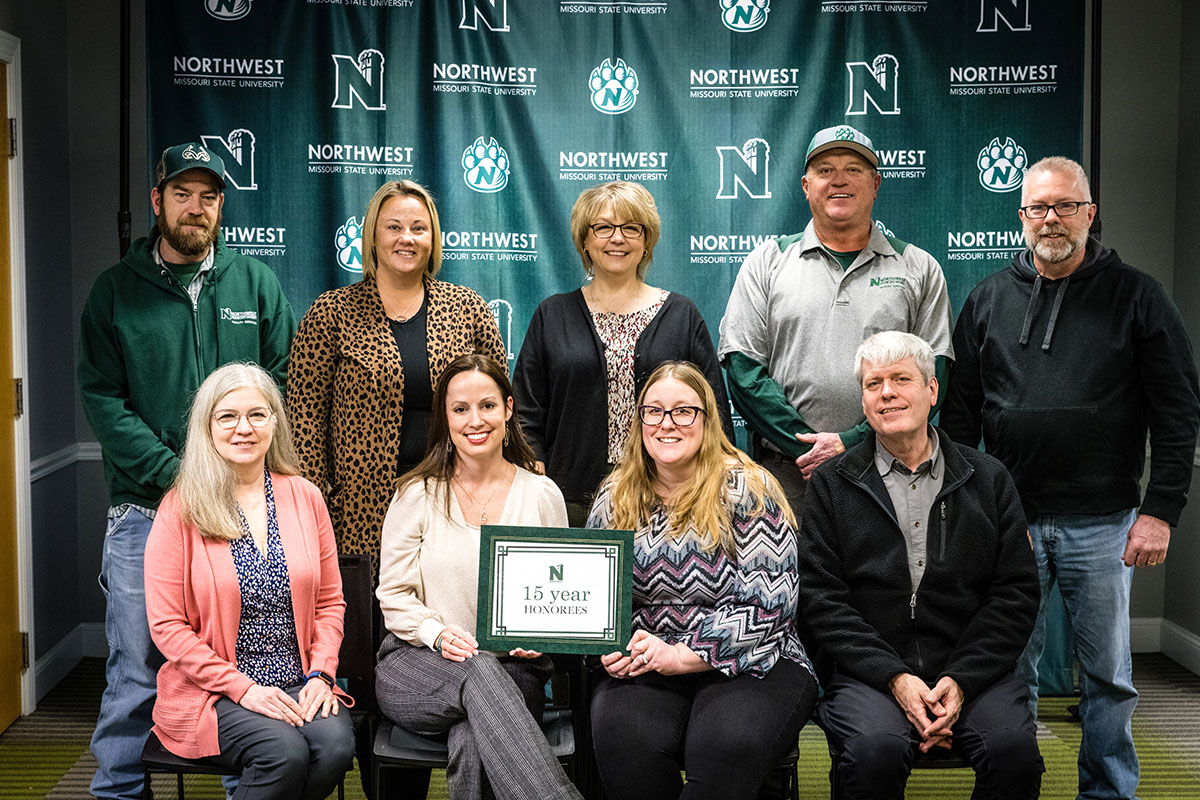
<point x="240" y="317"/>
<point x="886" y="281"/>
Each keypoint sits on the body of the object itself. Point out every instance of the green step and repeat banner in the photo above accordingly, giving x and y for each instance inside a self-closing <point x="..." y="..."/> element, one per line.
<point x="507" y="109"/>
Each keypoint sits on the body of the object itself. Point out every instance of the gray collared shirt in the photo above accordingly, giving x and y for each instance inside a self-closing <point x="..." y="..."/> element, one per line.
<point x="912" y="493"/>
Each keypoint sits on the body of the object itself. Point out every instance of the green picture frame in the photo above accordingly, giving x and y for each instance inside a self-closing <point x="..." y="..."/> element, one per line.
<point x="555" y="590"/>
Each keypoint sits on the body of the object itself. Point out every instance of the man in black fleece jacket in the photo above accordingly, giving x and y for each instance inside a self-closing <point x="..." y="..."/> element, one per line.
<point x="919" y="582"/>
<point x="1064" y="361"/>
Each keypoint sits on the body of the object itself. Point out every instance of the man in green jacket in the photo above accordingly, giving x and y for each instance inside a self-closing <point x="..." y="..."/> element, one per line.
<point x="177" y="306"/>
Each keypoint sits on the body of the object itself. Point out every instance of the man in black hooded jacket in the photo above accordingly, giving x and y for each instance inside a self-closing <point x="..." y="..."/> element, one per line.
<point x="1064" y="361"/>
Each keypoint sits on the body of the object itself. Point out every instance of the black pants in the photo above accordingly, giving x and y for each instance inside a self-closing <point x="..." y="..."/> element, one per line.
<point x="279" y="761"/>
<point x="995" y="733"/>
<point x="726" y="733"/>
<point x="785" y="471"/>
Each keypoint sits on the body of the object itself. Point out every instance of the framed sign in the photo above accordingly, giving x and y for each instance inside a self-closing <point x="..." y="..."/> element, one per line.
<point x="557" y="590"/>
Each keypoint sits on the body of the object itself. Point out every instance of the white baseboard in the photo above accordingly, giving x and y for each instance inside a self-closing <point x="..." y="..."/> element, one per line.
<point x="1145" y="634"/>
<point x="51" y="668"/>
<point x="85" y="640"/>
<point x="1181" y="646"/>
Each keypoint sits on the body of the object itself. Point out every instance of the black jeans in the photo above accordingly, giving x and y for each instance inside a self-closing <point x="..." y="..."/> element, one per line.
<point x="726" y="733"/>
<point x="995" y="733"/>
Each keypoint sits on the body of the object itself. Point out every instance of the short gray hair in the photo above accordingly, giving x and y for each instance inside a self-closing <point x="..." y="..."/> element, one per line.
<point x="1061" y="164"/>
<point x="890" y="347"/>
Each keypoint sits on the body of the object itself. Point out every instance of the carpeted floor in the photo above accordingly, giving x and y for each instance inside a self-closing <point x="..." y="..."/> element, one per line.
<point x="45" y="755"/>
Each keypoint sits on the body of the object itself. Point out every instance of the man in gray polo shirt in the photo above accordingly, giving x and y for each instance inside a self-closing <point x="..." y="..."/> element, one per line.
<point x="802" y="304"/>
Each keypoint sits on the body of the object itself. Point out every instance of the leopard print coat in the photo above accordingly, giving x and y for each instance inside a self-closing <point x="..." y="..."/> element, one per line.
<point x="345" y="395"/>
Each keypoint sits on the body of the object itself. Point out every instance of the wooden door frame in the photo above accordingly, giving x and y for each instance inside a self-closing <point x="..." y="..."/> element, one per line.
<point x="10" y="54"/>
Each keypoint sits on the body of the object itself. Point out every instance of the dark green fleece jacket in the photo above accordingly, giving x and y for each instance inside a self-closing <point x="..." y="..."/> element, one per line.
<point x="144" y="349"/>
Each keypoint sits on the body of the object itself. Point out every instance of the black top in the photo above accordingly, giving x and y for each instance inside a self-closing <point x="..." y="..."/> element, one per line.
<point x="561" y="382"/>
<point x="1063" y="378"/>
<point x="411" y="341"/>
<point x="974" y="609"/>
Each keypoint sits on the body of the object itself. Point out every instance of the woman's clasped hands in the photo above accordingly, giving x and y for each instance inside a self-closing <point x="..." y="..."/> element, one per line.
<point x="647" y="653"/>
<point x="270" y="701"/>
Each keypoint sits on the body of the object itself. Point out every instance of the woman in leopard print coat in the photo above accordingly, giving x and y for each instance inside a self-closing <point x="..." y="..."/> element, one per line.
<point x="350" y="393"/>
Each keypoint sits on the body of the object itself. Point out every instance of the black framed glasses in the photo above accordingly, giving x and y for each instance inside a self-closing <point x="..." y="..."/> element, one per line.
<point x="257" y="417"/>
<point x="1068" y="208"/>
<point x="683" y="416"/>
<point x="630" y="230"/>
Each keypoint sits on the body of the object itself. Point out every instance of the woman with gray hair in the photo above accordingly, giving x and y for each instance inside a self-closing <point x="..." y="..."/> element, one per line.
<point x="244" y="599"/>
<point x="587" y="353"/>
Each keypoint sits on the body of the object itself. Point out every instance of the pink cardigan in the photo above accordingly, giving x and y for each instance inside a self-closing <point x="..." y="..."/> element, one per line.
<point x="194" y="607"/>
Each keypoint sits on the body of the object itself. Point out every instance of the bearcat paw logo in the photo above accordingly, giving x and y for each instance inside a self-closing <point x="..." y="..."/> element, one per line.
<point x="348" y="241"/>
<point x="1002" y="166"/>
<point x="614" y="87"/>
<point x="485" y="165"/>
<point x="744" y="16"/>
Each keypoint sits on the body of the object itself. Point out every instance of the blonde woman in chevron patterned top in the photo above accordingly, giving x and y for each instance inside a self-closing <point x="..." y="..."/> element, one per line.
<point x="715" y="681"/>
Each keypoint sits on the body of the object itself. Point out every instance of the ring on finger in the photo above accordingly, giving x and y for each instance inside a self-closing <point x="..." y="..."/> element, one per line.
<point x="644" y="659"/>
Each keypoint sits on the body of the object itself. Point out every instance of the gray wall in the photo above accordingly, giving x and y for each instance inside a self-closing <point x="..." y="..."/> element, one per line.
<point x="1139" y="126"/>
<point x="1183" y="563"/>
<point x="70" y="128"/>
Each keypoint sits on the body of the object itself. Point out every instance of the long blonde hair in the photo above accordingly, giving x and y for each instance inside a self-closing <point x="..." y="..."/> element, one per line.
<point x="206" y="482"/>
<point x="705" y="504"/>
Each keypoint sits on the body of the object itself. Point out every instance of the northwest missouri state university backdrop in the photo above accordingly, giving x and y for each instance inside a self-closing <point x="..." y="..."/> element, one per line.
<point x="507" y="109"/>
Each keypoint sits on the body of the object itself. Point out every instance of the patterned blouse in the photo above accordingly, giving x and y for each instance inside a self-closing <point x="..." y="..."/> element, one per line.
<point x="267" y="649"/>
<point x="736" y="613"/>
<point x="620" y="333"/>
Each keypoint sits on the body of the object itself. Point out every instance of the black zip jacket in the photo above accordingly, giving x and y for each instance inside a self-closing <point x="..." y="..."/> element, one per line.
<point x="974" y="609"/>
<point x="561" y="383"/>
<point x="1063" y="378"/>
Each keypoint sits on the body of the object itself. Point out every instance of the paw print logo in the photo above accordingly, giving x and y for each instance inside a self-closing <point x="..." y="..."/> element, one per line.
<point x="1002" y="166"/>
<point x="485" y="165"/>
<point x="348" y="241"/>
<point x="614" y="88"/>
<point x="745" y="16"/>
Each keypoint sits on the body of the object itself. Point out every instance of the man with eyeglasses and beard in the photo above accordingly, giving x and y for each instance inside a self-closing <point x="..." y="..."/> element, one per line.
<point x="1063" y="362"/>
<point x="177" y="306"/>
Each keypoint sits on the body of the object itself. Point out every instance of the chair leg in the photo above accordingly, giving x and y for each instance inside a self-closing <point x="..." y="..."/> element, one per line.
<point x="342" y="788"/>
<point x="146" y="794"/>
<point x="179" y="784"/>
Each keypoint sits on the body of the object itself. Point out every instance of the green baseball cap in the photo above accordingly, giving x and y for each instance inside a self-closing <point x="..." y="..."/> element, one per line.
<point x="191" y="155"/>
<point x="841" y="136"/>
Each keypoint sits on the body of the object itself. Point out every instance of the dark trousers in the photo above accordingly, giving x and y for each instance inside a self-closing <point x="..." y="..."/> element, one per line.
<point x="785" y="471"/>
<point x="995" y="733"/>
<point x="279" y="761"/>
<point x="726" y="733"/>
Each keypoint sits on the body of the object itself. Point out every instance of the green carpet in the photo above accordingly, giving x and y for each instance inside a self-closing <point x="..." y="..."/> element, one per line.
<point x="45" y="755"/>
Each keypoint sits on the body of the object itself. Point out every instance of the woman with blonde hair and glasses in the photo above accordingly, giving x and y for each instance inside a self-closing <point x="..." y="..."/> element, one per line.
<point x="715" y="681"/>
<point x="244" y="600"/>
<point x="587" y="353"/>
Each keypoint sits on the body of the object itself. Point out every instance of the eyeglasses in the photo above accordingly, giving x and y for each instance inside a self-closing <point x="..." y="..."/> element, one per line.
<point x="1068" y="208"/>
<point x="257" y="417"/>
<point x="630" y="230"/>
<point x="683" y="416"/>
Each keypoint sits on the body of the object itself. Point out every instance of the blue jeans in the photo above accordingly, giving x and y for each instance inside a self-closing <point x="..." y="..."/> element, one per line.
<point x="133" y="660"/>
<point x="1083" y="553"/>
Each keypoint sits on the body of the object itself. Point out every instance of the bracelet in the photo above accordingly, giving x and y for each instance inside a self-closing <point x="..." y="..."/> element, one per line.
<point x="325" y="676"/>
<point x="437" y="643"/>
